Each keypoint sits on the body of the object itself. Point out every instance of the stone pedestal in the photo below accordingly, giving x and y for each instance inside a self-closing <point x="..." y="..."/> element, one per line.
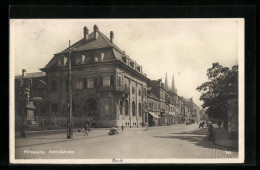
<point x="30" y="110"/>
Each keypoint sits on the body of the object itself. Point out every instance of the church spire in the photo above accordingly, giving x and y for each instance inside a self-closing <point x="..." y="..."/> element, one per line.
<point x="173" y="88"/>
<point x="166" y="82"/>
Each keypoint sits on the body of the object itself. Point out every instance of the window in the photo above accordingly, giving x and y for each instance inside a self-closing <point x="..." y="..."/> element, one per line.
<point x="53" y="85"/>
<point x="65" y="60"/>
<point x="88" y="59"/>
<point x="96" y="58"/>
<point x="78" y="60"/>
<point x="80" y="83"/>
<point x="90" y="83"/>
<point x="133" y="90"/>
<point x="124" y="58"/>
<point x="126" y="107"/>
<point x="140" y="109"/>
<point x="95" y="82"/>
<point x="111" y="80"/>
<point x="106" y="81"/>
<point x="138" y="68"/>
<point x="102" y="56"/>
<point x="59" y="61"/>
<point x="132" y="64"/>
<point x="54" y="107"/>
<point x="83" y="58"/>
<point x="133" y="108"/>
<point x="121" y="107"/>
<point x="139" y="92"/>
<point x="119" y="81"/>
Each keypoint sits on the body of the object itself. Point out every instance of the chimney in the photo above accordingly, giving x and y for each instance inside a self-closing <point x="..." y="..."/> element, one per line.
<point x="85" y="29"/>
<point x="111" y="36"/>
<point x="95" y="31"/>
<point x="23" y="73"/>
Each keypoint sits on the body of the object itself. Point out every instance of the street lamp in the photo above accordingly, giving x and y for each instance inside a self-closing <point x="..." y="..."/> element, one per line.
<point x="69" y="130"/>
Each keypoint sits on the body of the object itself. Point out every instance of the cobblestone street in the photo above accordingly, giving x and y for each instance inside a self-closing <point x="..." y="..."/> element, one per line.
<point x="177" y="141"/>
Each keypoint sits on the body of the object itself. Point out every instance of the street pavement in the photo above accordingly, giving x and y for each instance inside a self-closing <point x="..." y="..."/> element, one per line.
<point x="177" y="141"/>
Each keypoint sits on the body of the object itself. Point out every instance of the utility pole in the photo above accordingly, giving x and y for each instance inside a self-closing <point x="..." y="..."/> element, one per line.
<point x="69" y="130"/>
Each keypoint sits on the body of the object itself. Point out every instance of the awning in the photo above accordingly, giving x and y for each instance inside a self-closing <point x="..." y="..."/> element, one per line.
<point x="154" y="114"/>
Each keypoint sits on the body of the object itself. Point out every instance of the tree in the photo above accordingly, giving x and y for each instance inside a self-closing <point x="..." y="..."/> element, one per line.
<point x="222" y="81"/>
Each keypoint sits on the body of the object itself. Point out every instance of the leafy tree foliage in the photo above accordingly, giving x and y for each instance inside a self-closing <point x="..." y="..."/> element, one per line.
<point x="222" y="81"/>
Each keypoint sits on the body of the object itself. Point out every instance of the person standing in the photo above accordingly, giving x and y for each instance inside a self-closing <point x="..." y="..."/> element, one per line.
<point x="122" y="126"/>
<point x="210" y="130"/>
<point x="219" y="124"/>
<point x="86" y="129"/>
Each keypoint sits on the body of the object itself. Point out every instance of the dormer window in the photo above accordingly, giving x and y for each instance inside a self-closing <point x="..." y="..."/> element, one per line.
<point x="78" y="60"/>
<point x="102" y="56"/>
<point x="83" y="58"/>
<point x="132" y="64"/>
<point x="96" y="58"/>
<point x="138" y="68"/>
<point x="124" y="58"/>
<point x="59" y="61"/>
<point x="65" y="60"/>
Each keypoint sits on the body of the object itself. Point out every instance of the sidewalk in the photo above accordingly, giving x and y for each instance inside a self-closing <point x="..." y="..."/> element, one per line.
<point x="59" y="131"/>
<point x="223" y="138"/>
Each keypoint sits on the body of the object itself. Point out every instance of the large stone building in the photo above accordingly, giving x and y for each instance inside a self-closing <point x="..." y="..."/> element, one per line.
<point x="109" y="88"/>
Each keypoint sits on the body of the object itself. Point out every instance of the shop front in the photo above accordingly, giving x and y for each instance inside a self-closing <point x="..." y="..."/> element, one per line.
<point x="153" y="119"/>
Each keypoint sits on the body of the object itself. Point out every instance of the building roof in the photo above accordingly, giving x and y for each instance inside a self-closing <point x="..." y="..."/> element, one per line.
<point x="102" y="41"/>
<point x="153" y="96"/>
<point x="172" y="93"/>
<point x="32" y="75"/>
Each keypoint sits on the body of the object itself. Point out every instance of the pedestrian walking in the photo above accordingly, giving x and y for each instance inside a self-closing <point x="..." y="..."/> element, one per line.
<point x="210" y="130"/>
<point x="86" y="129"/>
<point x="122" y="126"/>
<point x="142" y="124"/>
<point x="219" y="124"/>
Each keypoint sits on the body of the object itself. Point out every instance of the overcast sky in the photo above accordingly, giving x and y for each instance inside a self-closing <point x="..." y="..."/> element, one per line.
<point x="183" y="47"/>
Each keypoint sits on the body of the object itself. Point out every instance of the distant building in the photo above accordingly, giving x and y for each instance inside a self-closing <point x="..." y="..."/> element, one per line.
<point x="158" y="89"/>
<point x="36" y="82"/>
<point x="152" y="116"/>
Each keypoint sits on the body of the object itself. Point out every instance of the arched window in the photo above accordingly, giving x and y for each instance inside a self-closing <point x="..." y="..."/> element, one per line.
<point x="126" y="107"/>
<point x="121" y="107"/>
<point x="53" y="85"/>
<point x="133" y="108"/>
<point x="140" y="109"/>
<point x="90" y="106"/>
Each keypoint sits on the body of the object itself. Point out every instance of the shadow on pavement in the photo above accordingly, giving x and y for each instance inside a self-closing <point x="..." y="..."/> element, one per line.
<point x="199" y="138"/>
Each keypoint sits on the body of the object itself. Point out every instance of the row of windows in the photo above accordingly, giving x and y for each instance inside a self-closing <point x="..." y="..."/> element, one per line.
<point x="132" y="64"/>
<point x="82" y="83"/>
<point x="82" y="59"/>
<point x="154" y="105"/>
<point x="125" y="107"/>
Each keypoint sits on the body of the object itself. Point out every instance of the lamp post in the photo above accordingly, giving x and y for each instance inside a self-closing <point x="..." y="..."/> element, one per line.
<point x="69" y="130"/>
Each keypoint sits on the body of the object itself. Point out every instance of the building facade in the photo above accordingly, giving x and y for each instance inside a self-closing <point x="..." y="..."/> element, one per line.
<point x="109" y="88"/>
